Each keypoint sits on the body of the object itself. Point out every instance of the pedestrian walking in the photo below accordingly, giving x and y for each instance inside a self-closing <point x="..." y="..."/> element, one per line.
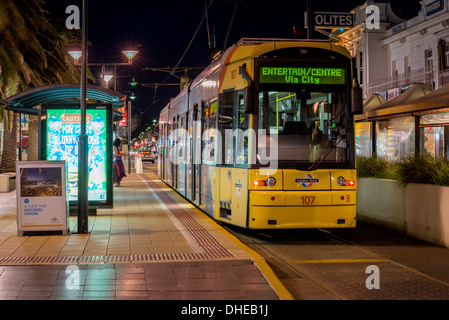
<point x="119" y="168"/>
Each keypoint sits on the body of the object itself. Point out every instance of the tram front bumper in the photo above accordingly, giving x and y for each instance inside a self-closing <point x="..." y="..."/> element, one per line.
<point x="296" y="209"/>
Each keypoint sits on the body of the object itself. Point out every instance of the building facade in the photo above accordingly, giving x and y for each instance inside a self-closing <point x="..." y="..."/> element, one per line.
<point x="400" y="52"/>
<point x="392" y="55"/>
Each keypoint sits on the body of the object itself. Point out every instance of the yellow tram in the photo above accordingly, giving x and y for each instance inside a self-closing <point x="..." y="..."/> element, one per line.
<point x="263" y="138"/>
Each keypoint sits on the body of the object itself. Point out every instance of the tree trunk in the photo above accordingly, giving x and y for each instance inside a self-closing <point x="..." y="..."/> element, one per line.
<point x="9" y="155"/>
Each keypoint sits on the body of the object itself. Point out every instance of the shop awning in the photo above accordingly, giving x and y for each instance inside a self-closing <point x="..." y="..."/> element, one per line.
<point x="29" y="100"/>
<point x="438" y="99"/>
<point x="370" y="103"/>
<point x="396" y="106"/>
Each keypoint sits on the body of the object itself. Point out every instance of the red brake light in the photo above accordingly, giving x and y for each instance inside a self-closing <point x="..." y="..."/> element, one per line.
<point x="258" y="183"/>
<point x="350" y="183"/>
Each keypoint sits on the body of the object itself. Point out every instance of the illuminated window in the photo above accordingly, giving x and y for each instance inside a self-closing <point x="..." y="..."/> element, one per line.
<point x="407" y="67"/>
<point x="446" y="54"/>
<point x="394" y="68"/>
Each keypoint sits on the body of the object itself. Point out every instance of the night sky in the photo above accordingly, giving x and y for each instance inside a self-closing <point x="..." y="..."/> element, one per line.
<point x="162" y="30"/>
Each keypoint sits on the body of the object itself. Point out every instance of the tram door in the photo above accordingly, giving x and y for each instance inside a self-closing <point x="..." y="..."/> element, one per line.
<point x="161" y="151"/>
<point x="176" y="151"/>
<point x="174" y="166"/>
<point x="188" y="155"/>
<point x="181" y="155"/>
<point x="196" y="154"/>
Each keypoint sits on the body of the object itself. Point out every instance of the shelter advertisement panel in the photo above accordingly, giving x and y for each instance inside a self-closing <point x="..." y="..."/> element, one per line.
<point x="41" y="196"/>
<point x="60" y="131"/>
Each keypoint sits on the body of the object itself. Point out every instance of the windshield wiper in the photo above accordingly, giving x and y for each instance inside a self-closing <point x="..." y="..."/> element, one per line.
<point x="324" y="156"/>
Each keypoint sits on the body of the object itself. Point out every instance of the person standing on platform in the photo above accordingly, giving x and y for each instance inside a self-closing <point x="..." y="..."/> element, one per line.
<point x="119" y="168"/>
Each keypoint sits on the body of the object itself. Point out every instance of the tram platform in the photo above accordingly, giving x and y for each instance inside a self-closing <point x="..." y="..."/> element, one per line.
<point x="151" y="245"/>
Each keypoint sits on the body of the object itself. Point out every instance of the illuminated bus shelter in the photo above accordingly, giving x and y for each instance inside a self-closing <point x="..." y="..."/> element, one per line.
<point x="415" y="122"/>
<point x="60" y="127"/>
<point x="58" y="109"/>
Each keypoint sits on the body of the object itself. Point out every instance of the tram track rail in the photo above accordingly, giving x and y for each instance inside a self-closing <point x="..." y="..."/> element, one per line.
<point x="276" y="262"/>
<point x="332" y="264"/>
<point x="399" y="280"/>
<point x="424" y="274"/>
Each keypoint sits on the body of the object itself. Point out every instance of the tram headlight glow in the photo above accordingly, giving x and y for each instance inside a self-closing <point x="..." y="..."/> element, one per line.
<point x="258" y="183"/>
<point x="345" y="183"/>
<point x="264" y="183"/>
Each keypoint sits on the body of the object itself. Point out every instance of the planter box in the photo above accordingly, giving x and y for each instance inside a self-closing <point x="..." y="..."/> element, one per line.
<point x="418" y="210"/>
<point x="381" y="202"/>
<point x="427" y="212"/>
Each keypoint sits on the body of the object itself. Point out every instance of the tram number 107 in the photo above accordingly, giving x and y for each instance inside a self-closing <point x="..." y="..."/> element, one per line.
<point x="307" y="200"/>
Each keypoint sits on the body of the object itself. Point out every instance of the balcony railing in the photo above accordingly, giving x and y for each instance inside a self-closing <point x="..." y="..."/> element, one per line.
<point x="443" y="78"/>
<point x="424" y="75"/>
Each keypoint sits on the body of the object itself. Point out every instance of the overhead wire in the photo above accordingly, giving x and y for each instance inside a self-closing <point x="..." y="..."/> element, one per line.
<point x="191" y="41"/>
<point x="183" y="55"/>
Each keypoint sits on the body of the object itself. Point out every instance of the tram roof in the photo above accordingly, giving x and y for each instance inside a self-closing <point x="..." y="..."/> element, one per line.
<point x="254" y="47"/>
<point x="249" y="48"/>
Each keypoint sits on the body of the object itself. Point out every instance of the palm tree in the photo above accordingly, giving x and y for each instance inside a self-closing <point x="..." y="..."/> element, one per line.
<point x="32" y="53"/>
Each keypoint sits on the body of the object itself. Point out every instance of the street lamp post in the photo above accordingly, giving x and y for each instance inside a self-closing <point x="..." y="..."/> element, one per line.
<point x="129" y="137"/>
<point x="83" y="174"/>
<point x="83" y="163"/>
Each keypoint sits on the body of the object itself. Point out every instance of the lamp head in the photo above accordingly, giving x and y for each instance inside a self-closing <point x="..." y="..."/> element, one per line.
<point x="107" y="77"/>
<point x="75" y="54"/>
<point x="130" y="54"/>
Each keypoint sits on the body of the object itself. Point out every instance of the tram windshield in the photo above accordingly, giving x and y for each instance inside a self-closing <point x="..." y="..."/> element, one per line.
<point x="310" y="126"/>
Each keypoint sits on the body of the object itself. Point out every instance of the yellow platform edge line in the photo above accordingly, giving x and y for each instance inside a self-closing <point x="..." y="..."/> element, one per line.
<point x="259" y="261"/>
<point x="338" y="261"/>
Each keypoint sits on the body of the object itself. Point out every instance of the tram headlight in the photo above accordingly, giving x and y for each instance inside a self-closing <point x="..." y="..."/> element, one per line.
<point x="270" y="182"/>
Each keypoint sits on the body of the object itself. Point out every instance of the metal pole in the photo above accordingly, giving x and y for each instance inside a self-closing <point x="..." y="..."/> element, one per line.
<point x="310" y="19"/>
<point x="83" y="174"/>
<point x="20" y="136"/>
<point x="129" y="137"/>
<point x="115" y="77"/>
<point x="102" y="72"/>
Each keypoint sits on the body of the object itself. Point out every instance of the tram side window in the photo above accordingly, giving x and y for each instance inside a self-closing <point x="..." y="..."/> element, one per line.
<point x="209" y="127"/>
<point x="180" y="139"/>
<point x="226" y="119"/>
<point x="241" y="136"/>
<point x="171" y="135"/>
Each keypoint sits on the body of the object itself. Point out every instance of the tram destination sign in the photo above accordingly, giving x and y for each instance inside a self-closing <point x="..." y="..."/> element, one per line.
<point x="302" y="75"/>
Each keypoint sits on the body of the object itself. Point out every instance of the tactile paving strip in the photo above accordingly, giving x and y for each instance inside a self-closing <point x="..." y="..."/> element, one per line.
<point x="211" y="248"/>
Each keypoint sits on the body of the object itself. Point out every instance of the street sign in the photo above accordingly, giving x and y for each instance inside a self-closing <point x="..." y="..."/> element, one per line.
<point x="332" y="20"/>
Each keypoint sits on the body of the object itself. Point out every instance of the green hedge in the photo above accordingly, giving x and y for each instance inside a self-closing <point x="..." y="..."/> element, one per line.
<point x="415" y="169"/>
